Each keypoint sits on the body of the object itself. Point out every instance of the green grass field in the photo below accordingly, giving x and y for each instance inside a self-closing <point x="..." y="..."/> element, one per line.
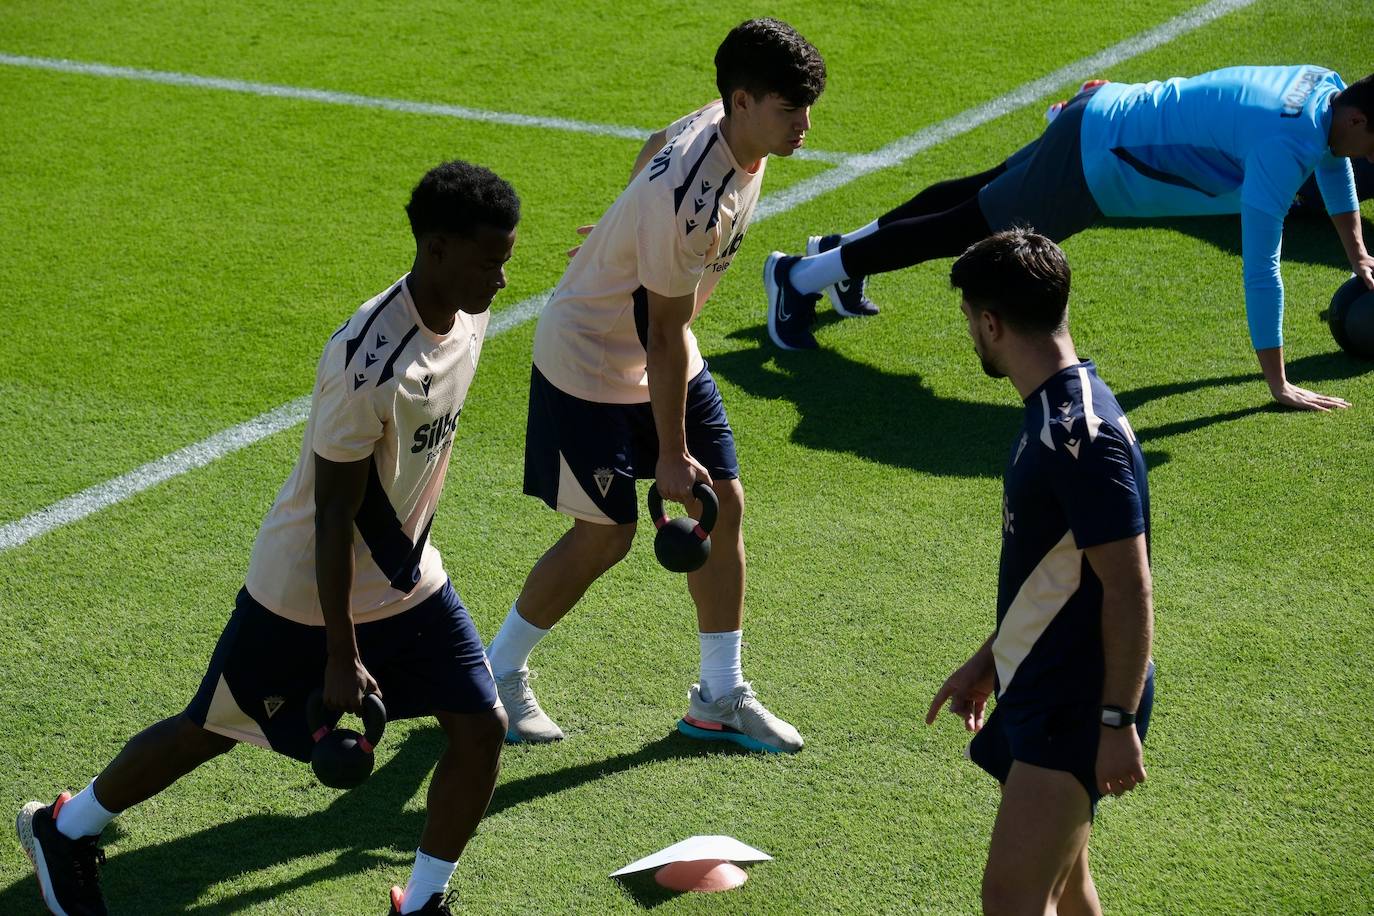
<point x="175" y="258"/>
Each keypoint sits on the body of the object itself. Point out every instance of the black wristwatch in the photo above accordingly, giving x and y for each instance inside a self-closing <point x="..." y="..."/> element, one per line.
<point x="1116" y="717"/>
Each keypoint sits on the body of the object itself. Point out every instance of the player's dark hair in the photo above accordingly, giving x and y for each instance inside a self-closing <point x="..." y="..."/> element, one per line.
<point x="764" y="56"/>
<point x="1020" y="276"/>
<point x="1359" y="95"/>
<point x="459" y="198"/>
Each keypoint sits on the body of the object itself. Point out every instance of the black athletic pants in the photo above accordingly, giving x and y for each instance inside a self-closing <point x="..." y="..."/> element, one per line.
<point x="939" y="222"/>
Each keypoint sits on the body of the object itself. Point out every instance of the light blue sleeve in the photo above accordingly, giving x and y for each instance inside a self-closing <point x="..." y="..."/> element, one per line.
<point x="1261" y="243"/>
<point x="1336" y="179"/>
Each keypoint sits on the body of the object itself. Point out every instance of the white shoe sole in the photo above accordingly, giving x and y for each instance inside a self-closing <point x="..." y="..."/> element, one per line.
<point x="23" y="825"/>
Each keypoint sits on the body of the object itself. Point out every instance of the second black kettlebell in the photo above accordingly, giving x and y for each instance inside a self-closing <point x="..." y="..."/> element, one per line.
<point x="683" y="544"/>
<point x="342" y="758"/>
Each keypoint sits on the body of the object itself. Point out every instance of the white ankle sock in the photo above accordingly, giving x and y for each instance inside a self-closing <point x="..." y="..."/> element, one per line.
<point x="859" y="233"/>
<point x="428" y="877"/>
<point x="510" y="649"/>
<point x="83" y="815"/>
<point x="813" y="274"/>
<point x="721" y="671"/>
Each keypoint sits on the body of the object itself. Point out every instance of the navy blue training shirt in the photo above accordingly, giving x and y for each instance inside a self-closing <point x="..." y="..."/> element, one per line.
<point x="1075" y="479"/>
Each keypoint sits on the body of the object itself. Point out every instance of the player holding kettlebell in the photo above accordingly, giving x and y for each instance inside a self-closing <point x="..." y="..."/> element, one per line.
<point x="344" y="588"/>
<point x="619" y="390"/>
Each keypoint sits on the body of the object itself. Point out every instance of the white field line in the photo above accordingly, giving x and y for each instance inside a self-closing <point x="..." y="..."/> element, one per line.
<point x="899" y="151"/>
<point x="101" y="496"/>
<point x="329" y="97"/>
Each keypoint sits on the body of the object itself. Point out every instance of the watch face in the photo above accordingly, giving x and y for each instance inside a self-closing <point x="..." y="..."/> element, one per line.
<point x="1111" y="717"/>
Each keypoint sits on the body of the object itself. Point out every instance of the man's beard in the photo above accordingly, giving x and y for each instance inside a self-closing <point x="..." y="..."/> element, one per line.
<point x="991" y="370"/>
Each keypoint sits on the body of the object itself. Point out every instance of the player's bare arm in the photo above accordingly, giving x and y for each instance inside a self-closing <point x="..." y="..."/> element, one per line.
<point x="1285" y="392"/>
<point x="1127" y="630"/>
<point x="967" y="689"/>
<point x="651" y="146"/>
<point x="668" y="358"/>
<point x="339" y="490"/>
<point x="646" y="152"/>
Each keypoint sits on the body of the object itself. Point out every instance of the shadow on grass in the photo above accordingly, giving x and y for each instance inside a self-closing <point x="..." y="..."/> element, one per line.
<point x="1307" y="238"/>
<point x="363" y="829"/>
<point x="894" y="419"/>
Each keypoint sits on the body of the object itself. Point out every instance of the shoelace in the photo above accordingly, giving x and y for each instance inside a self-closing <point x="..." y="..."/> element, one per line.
<point x="527" y="701"/>
<point x="87" y="858"/>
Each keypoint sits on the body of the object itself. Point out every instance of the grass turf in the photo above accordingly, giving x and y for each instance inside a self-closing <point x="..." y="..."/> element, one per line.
<point x="180" y="257"/>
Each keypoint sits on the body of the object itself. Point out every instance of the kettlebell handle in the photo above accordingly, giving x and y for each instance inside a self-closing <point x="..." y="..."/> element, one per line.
<point x="373" y="715"/>
<point x="710" y="508"/>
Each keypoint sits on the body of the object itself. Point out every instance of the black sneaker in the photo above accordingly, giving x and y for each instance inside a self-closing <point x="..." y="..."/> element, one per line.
<point x="847" y="296"/>
<point x="790" y="313"/>
<point x="437" y="905"/>
<point x="68" y="870"/>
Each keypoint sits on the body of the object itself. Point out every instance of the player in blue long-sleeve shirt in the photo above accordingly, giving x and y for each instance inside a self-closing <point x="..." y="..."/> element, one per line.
<point x="1241" y="140"/>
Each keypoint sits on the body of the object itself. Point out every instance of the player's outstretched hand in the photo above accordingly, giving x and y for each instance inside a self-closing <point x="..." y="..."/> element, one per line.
<point x="346" y="682"/>
<point x="583" y="231"/>
<point x="1302" y="399"/>
<point x="1120" y="767"/>
<point x="967" y="691"/>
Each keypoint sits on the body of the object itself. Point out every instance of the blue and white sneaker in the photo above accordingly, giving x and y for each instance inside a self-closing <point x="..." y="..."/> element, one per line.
<point x="740" y="718"/>
<point x="847" y="296"/>
<point x="790" y="313"/>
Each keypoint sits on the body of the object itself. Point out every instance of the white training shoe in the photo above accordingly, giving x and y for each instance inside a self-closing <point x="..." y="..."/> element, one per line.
<point x="739" y="717"/>
<point x="528" y="723"/>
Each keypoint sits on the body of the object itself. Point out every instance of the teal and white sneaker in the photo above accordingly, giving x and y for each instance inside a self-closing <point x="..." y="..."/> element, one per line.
<point x="528" y="722"/>
<point x="739" y="717"/>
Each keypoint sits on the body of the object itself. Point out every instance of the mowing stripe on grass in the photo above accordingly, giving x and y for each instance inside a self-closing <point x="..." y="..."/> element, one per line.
<point x="101" y="496"/>
<point x="329" y="97"/>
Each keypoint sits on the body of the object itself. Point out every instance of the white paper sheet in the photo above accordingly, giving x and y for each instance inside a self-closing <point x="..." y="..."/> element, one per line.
<point x="697" y="847"/>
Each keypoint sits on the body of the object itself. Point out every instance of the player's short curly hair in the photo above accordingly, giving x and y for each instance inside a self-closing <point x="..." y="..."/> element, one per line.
<point x="1359" y="95"/>
<point x="1020" y="276"/>
<point x="458" y="198"/>
<point x="764" y="56"/>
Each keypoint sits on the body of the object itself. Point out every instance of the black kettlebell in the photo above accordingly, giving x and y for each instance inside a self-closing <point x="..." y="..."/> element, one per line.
<point x="683" y="544"/>
<point x="342" y="758"/>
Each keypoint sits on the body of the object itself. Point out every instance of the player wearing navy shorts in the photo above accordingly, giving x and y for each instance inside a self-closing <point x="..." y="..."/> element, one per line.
<point x="619" y="391"/>
<point x="344" y="590"/>
<point x="1070" y="656"/>
<point x="1242" y="140"/>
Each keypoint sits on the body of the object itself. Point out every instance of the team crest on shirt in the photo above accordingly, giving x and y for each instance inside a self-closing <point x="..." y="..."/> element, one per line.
<point x="604" y="478"/>
<point x="1066" y="420"/>
<point x="272" y="704"/>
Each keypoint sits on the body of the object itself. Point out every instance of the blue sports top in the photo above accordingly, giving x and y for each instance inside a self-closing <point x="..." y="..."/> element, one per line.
<point x="1075" y="479"/>
<point x="1240" y="140"/>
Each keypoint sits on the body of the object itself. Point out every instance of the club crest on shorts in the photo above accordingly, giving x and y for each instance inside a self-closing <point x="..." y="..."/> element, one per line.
<point x="604" y="478"/>
<point x="272" y="704"/>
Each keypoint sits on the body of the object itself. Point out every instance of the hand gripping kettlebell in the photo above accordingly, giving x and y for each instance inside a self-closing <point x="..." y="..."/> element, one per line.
<point x="683" y="544"/>
<point x="342" y="758"/>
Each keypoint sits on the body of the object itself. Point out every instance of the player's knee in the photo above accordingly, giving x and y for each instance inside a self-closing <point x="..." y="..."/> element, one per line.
<point x="606" y="544"/>
<point x="198" y="743"/>
<point x="730" y="495"/>
<point x="1001" y="897"/>
<point x="480" y="734"/>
